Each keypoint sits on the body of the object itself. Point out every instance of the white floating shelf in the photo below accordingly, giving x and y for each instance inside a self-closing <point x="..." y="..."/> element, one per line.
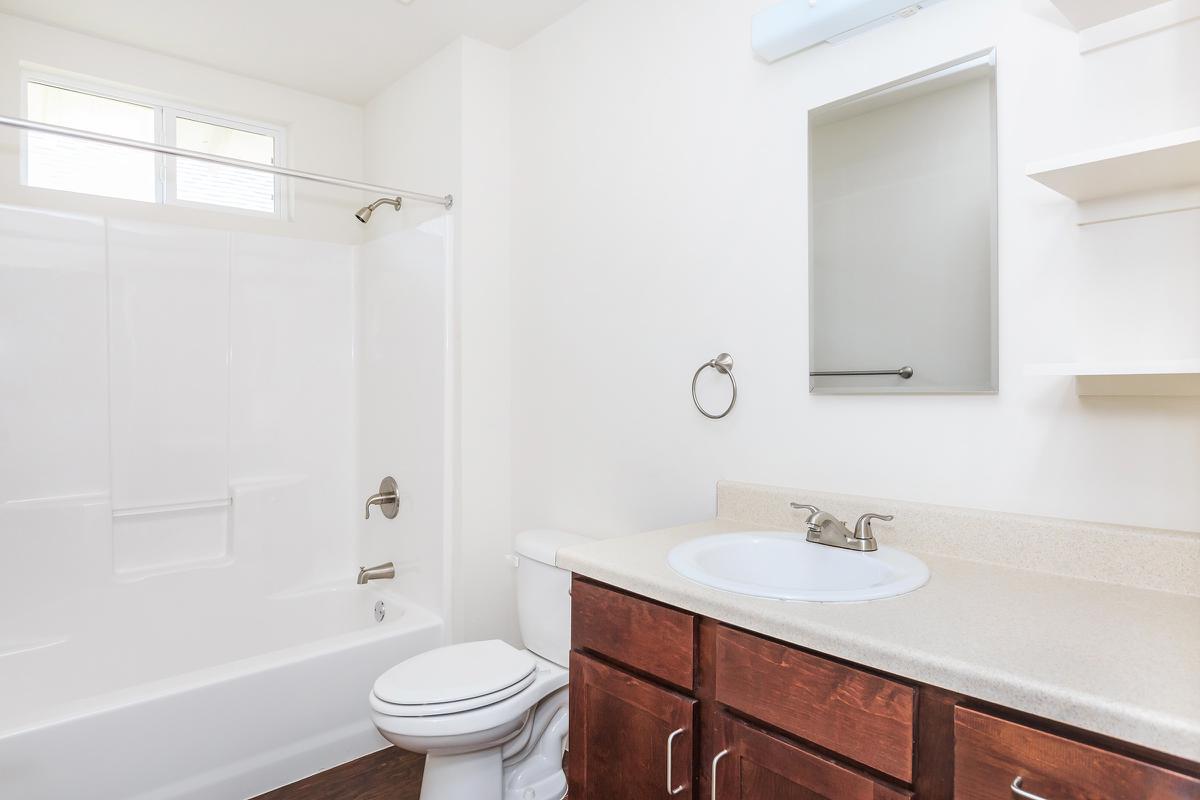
<point x="1133" y="179"/>
<point x="1106" y="22"/>
<point x="1178" y="378"/>
<point x="1171" y="160"/>
<point x="1088" y="13"/>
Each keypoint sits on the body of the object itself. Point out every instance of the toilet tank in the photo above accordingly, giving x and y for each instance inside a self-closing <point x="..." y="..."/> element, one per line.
<point x="544" y="593"/>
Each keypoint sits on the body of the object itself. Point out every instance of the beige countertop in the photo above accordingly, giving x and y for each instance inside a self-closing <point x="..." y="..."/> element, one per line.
<point x="1118" y="660"/>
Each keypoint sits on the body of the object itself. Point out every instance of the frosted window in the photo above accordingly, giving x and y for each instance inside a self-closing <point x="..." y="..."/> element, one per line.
<point x="216" y="184"/>
<point x="73" y="165"/>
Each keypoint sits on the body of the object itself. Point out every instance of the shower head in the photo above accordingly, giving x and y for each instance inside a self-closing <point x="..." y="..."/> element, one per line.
<point x="363" y="215"/>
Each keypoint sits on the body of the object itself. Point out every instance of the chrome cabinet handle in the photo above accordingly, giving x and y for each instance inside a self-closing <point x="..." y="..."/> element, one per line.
<point x="716" y="760"/>
<point x="670" y="764"/>
<point x="1020" y="793"/>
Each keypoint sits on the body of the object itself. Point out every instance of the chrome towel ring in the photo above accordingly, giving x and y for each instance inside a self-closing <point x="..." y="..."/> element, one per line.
<point x="723" y="364"/>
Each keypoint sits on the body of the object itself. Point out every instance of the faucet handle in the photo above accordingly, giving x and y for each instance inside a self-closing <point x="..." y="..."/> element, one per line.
<point x="386" y="498"/>
<point x="862" y="528"/>
<point x="812" y="512"/>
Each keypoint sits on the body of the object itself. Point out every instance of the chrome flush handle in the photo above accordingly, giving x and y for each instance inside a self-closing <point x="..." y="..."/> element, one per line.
<point x="1020" y="793"/>
<point x="670" y="764"/>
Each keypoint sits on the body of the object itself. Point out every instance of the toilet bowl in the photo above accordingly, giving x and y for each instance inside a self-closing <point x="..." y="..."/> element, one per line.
<point x="490" y="718"/>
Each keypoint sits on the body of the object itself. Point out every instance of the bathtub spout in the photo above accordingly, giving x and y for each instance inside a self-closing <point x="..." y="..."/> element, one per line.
<point x="387" y="570"/>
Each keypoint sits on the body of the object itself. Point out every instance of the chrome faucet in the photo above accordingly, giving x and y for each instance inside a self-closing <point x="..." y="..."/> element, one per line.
<point x="825" y="528"/>
<point x="383" y="571"/>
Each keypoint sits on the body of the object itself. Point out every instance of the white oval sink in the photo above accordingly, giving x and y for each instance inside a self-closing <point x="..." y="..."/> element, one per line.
<point x="787" y="567"/>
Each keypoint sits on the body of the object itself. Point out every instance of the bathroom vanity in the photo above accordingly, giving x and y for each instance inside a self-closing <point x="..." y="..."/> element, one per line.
<point x="681" y="690"/>
<point x="767" y="720"/>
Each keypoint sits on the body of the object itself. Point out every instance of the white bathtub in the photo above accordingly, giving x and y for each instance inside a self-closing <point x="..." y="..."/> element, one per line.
<point x="205" y="703"/>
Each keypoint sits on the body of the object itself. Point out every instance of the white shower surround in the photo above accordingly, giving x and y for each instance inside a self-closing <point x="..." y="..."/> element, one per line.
<point x="192" y="419"/>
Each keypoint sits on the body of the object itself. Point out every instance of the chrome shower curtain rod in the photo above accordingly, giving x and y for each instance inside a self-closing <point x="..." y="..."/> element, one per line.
<point x="41" y="127"/>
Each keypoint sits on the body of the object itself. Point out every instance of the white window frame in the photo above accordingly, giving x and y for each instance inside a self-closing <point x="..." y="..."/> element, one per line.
<point x="165" y="115"/>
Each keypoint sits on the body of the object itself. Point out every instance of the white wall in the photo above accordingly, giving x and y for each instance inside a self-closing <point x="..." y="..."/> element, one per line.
<point x="413" y="137"/>
<point x="323" y="135"/>
<point x="403" y="407"/>
<point x="444" y="127"/>
<point x="486" y="598"/>
<point x="659" y="209"/>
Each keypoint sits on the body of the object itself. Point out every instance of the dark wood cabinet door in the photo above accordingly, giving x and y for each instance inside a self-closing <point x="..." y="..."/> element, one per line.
<point x="759" y="766"/>
<point x="621" y="736"/>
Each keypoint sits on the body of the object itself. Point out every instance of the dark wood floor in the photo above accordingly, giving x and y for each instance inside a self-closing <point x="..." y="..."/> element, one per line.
<point x="390" y="774"/>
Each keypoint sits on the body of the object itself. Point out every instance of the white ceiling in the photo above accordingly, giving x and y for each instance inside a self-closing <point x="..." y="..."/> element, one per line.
<point x="345" y="49"/>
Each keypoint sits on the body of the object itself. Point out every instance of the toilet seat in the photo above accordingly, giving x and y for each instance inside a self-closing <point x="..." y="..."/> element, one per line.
<point x="391" y="718"/>
<point x="454" y="679"/>
<point x="454" y="707"/>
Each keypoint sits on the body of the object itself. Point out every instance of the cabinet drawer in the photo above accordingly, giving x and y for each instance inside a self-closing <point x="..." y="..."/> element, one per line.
<point x="657" y="640"/>
<point x="860" y="715"/>
<point x="990" y="753"/>
<point x="757" y="765"/>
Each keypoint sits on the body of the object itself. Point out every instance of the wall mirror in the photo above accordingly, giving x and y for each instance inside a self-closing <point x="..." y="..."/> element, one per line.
<point x="902" y="236"/>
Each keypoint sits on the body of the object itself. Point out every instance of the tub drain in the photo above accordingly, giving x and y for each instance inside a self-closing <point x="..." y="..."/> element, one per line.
<point x="380" y="611"/>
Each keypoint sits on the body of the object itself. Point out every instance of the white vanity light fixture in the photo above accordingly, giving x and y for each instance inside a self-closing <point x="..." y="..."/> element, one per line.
<point x="796" y="25"/>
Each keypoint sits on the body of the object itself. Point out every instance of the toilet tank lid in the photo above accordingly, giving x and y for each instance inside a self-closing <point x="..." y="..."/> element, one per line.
<point x="542" y="545"/>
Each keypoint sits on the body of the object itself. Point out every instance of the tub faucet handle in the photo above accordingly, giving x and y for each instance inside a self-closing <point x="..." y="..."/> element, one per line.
<point x="386" y="498"/>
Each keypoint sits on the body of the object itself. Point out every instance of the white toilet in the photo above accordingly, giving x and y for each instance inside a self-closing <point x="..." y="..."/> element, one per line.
<point x="492" y="719"/>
